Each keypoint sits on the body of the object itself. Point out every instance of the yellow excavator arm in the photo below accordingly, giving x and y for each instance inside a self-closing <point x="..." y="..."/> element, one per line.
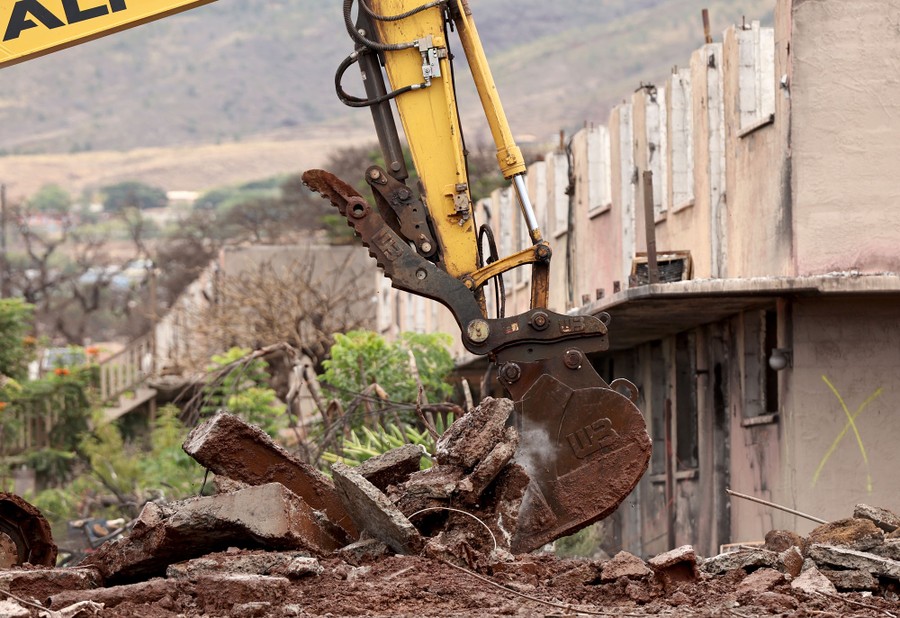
<point x="583" y="440"/>
<point x="32" y="28"/>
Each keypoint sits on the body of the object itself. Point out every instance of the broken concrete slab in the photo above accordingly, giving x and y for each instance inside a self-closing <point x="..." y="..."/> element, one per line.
<point x="624" y="564"/>
<point x="268" y="516"/>
<point x="850" y="579"/>
<point x="42" y="583"/>
<point x="223" y="592"/>
<point x="11" y="609"/>
<point x="883" y="518"/>
<point x="673" y="557"/>
<point x="746" y="559"/>
<point x="292" y="565"/>
<point x="393" y="467"/>
<point x="468" y="440"/>
<point x="813" y="582"/>
<point x="429" y="488"/>
<point x="890" y="549"/>
<point x="216" y="444"/>
<point x="149" y="591"/>
<point x="676" y="566"/>
<point x="471" y="487"/>
<point x="853" y="559"/>
<point x="360" y="552"/>
<point x="761" y="580"/>
<point x="371" y="511"/>
<point x="852" y="533"/>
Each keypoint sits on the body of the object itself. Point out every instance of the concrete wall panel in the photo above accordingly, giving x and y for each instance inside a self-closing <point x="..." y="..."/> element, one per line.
<point x="846" y="123"/>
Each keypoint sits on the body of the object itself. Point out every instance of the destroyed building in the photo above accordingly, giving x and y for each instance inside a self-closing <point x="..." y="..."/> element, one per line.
<point x="768" y="355"/>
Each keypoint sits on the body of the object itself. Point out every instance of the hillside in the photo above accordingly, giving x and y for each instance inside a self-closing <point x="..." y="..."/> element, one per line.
<point x="233" y="71"/>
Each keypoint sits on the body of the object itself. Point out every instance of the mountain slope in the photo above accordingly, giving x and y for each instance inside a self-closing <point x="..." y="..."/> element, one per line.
<point x="236" y="69"/>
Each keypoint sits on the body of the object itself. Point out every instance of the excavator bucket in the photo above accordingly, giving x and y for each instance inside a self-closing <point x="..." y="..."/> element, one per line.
<point x="583" y="443"/>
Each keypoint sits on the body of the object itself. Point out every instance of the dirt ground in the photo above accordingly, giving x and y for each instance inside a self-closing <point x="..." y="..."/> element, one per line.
<point x="416" y="586"/>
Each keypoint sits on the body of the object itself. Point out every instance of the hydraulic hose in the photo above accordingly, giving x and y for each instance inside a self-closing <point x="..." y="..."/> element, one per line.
<point x="352" y="101"/>
<point x="365" y="6"/>
<point x="370" y="44"/>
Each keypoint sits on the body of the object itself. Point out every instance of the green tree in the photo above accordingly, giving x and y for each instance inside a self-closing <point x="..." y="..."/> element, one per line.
<point x="132" y="194"/>
<point x="132" y="474"/>
<point x="361" y="358"/>
<point x="15" y="350"/>
<point x="240" y="384"/>
<point x="51" y="199"/>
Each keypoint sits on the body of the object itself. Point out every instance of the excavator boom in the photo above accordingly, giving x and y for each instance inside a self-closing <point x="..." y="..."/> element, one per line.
<point x="32" y="28"/>
<point x="583" y="441"/>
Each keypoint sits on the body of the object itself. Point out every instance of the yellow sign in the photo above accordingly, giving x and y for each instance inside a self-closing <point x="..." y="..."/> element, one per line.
<point x="32" y="28"/>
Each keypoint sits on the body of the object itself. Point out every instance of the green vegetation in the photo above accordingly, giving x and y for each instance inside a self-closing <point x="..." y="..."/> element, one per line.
<point x="15" y="349"/>
<point x="242" y="388"/>
<point x="366" y="443"/>
<point x="51" y="199"/>
<point x="361" y="358"/>
<point x="132" y="195"/>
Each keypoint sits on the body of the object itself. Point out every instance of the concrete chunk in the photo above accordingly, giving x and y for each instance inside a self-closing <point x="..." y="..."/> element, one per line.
<point x="42" y="583"/>
<point x="228" y="446"/>
<point x="890" y="549"/>
<point x="743" y="559"/>
<point x="225" y="592"/>
<point x="852" y="533"/>
<point x="468" y="440"/>
<point x="852" y="579"/>
<point x="683" y="554"/>
<point x="852" y="559"/>
<point x="813" y="582"/>
<point x="149" y="592"/>
<point x="11" y="609"/>
<point x="268" y="516"/>
<point x="393" y="467"/>
<point x="676" y="566"/>
<point x="292" y="565"/>
<point x="486" y="471"/>
<point x="624" y="564"/>
<point x="883" y="518"/>
<point x="373" y="512"/>
<point x="364" y="551"/>
<point x="759" y="581"/>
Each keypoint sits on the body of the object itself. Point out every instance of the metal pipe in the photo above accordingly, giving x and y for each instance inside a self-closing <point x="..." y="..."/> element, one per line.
<point x="775" y="506"/>
<point x="650" y="229"/>
<point x="527" y="209"/>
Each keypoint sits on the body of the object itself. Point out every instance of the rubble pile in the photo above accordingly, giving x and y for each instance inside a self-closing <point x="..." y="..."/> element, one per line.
<point x="386" y="538"/>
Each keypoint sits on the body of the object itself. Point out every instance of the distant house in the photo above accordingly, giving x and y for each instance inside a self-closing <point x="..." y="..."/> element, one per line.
<point x="772" y="337"/>
<point x="329" y="265"/>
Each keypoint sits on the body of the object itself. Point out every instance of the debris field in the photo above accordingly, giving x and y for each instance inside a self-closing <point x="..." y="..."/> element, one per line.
<point x="388" y="539"/>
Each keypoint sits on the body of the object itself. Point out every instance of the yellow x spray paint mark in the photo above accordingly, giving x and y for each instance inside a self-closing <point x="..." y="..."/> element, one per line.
<point x="851" y="424"/>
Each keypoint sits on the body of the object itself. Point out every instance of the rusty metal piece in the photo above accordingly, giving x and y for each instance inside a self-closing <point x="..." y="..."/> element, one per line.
<point x="27" y="534"/>
<point x="405" y="267"/>
<point x="573" y="359"/>
<point x="584" y="445"/>
<point x="395" y="200"/>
